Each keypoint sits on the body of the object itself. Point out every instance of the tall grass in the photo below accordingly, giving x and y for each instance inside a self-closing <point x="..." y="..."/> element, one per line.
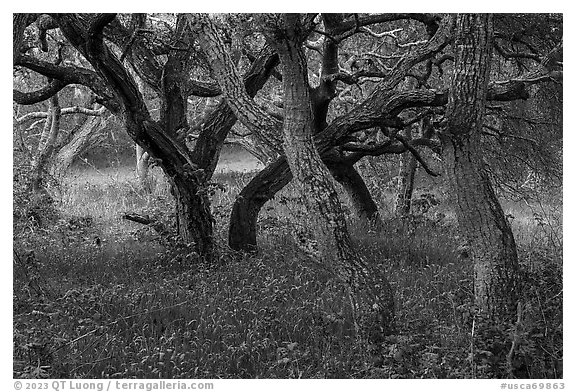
<point x="96" y="296"/>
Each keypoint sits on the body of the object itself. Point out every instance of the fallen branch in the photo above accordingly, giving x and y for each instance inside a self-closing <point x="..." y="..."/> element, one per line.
<point x="145" y="220"/>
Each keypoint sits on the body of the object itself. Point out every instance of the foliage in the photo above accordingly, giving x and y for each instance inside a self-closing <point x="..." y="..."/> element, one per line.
<point x="135" y="305"/>
<point x="31" y="211"/>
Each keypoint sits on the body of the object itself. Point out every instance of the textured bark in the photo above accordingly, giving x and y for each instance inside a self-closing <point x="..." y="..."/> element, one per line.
<point x="142" y="166"/>
<point x="79" y="142"/>
<point x="194" y="217"/>
<point x="19" y="23"/>
<point x="216" y="126"/>
<point x="252" y="116"/>
<point x="358" y="193"/>
<point x="46" y="145"/>
<point x="405" y="184"/>
<point x="480" y="216"/>
<point x="174" y="97"/>
<point x="370" y="293"/>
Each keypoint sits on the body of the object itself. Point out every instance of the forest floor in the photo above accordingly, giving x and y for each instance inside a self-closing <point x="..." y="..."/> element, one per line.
<point x="97" y="296"/>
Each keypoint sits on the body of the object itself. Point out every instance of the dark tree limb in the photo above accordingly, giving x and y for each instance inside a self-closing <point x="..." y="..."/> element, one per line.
<point x="62" y="76"/>
<point x="40" y="95"/>
<point x="416" y="155"/>
<point x="145" y="220"/>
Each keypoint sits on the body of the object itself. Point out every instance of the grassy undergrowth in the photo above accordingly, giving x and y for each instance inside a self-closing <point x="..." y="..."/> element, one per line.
<point x="96" y="296"/>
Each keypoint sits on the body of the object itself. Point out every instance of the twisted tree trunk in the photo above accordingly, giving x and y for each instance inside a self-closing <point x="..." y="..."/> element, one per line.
<point x="370" y="293"/>
<point x="480" y="216"/>
<point x="342" y="171"/>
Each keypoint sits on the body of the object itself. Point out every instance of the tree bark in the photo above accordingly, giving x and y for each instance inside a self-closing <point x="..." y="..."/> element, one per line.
<point x="253" y="116"/>
<point x="242" y="232"/>
<point x="480" y="216"/>
<point x="79" y="142"/>
<point x="216" y="126"/>
<point x="370" y="293"/>
<point x="358" y="193"/>
<point x="142" y="166"/>
<point x="194" y="216"/>
<point x="343" y="172"/>
<point x="19" y="24"/>
<point x="46" y="146"/>
<point x="405" y="184"/>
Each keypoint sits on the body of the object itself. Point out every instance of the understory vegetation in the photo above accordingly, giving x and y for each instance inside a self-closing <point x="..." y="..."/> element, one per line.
<point x="97" y="296"/>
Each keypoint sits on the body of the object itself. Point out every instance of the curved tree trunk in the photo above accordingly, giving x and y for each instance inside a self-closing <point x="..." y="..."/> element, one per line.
<point x="77" y="145"/>
<point x="216" y="126"/>
<point x="242" y="232"/>
<point x="246" y="208"/>
<point x="194" y="216"/>
<point x="358" y="193"/>
<point x="370" y="294"/>
<point x="480" y="216"/>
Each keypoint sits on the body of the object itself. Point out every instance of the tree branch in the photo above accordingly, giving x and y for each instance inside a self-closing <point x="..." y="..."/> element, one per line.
<point x="40" y="95"/>
<point x="416" y="155"/>
<point x="63" y="112"/>
<point x="508" y="54"/>
<point x="63" y="76"/>
<point x="432" y="21"/>
<point x="254" y="117"/>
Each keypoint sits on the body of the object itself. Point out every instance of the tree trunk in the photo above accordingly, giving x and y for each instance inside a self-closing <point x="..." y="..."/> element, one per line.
<point x="46" y="146"/>
<point x="343" y="172"/>
<point x="405" y="184"/>
<point x="370" y="294"/>
<point x="217" y="124"/>
<point x="358" y="193"/>
<point x="77" y="145"/>
<point x="247" y="206"/>
<point x="480" y="216"/>
<point x="193" y="215"/>
<point x="142" y="166"/>
<point x="19" y="23"/>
